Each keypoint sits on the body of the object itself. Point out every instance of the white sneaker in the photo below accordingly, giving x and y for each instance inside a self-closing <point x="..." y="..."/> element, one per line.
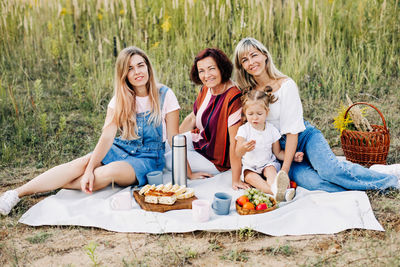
<point x="281" y="183"/>
<point x="8" y="201"/>
<point x="289" y="194"/>
<point x="393" y="169"/>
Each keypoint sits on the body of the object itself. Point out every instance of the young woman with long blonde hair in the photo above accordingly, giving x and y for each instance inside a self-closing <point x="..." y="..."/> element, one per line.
<point x="144" y="112"/>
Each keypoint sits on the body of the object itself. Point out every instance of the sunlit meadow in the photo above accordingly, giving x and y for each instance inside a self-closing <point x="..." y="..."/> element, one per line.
<point x="56" y="78"/>
<point x="57" y="59"/>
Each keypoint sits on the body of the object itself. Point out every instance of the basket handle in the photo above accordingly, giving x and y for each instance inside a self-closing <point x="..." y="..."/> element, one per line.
<point x="372" y="106"/>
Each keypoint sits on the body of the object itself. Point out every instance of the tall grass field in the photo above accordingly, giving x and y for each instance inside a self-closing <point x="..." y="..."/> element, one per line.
<point x="57" y="61"/>
<point x="56" y="78"/>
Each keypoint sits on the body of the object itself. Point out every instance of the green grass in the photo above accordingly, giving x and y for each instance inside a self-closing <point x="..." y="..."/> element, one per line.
<point x="39" y="238"/>
<point x="235" y="255"/>
<point x="90" y="251"/>
<point x="57" y="60"/>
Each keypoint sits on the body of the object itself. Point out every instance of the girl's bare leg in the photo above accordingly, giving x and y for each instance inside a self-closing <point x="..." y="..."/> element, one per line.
<point x="121" y="172"/>
<point x="257" y="181"/>
<point x="269" y="172"/>
<point x="55" y="177"/>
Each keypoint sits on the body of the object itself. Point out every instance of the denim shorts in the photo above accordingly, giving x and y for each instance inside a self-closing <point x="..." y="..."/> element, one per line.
<point x="143" y="158"/>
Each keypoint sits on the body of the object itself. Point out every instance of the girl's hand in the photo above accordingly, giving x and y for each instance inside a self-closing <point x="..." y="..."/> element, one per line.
<point x="87" y="181"/>
<point x="240" y="185"/>
<point x="298" y="156"/>
<point x="249" y="145"/>
<point x="199" y="175"/>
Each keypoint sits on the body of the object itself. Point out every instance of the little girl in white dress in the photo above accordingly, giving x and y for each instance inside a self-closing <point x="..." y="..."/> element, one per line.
<point x="258" y="146"/>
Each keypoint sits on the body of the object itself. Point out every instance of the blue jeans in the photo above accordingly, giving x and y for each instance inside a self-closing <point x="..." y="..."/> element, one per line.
<point x="321" y="170"/>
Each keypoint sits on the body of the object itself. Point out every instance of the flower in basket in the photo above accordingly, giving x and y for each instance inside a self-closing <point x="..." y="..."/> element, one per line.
<point x="340" y="122"/>
<point x="362" y="142"/>
<point x="355" y="119"/>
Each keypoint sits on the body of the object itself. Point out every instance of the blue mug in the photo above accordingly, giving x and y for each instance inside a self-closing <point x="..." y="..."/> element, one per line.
<point x="154" y="177"/>
<point x="222" y="203"/>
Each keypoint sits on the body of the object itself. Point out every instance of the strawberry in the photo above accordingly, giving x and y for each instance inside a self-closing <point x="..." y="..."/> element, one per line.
<point x="261" y="206"/>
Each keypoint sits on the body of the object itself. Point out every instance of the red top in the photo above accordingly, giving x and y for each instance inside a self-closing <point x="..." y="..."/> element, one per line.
<point x="217" y="113"/>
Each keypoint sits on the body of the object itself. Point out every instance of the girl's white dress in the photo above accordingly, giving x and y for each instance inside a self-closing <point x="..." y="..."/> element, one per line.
<point x="262" y="156"/>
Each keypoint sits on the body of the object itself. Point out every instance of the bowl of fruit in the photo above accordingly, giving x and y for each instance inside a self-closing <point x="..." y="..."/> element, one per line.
<point x="254" y="202"/>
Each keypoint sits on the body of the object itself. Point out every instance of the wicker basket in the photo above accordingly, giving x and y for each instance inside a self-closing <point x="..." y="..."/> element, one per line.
<point x="366" y="148"/>
<point x="243" y="211"/>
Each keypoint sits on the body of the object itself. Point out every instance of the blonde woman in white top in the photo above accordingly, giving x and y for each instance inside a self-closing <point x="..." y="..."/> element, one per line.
<point x="320" y="169"/>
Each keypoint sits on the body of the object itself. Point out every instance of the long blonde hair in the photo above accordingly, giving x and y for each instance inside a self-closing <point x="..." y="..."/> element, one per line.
<point x="125" y="107"/>
<point x="244" y="80"/>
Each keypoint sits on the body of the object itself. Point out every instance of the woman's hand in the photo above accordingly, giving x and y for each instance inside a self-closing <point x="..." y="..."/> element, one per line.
<point x="199" y="175"/>
<point x="240" y="185"/>
<point x="87" y="182"/>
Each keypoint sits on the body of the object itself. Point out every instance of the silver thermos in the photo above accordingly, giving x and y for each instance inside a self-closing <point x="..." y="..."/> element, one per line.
<point x="179" y="159"/>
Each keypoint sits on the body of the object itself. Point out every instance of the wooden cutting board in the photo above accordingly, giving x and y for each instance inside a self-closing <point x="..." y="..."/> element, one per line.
<point x="178" y="205"/>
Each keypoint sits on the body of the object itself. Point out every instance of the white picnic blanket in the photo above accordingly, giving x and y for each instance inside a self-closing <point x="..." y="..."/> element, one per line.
<point x="310" y="212"/>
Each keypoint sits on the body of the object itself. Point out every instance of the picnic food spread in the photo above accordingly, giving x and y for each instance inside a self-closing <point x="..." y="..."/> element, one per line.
<point x="165" y="194"/>
<point x="164" y="198"/>
<point x="254" y="201"/>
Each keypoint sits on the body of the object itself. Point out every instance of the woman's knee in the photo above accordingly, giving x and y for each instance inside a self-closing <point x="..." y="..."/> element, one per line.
<point x="77" y="166"/>
<point x="115" y="171"/>
<point x="81" y="162"/>
<point x="319" y="154"/>
<point x="103" y="172"/>
<point x="102" y="177"/>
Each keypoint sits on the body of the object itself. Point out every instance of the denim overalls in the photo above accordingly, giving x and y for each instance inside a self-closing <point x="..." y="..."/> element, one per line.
<point x="321" y="170"/>
<point x="146" y="153"/>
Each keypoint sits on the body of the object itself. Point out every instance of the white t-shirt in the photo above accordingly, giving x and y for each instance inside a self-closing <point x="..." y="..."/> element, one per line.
<point x="286" y="114"/>
<point x="143" y="105"/>
<point x="262" y="153"/>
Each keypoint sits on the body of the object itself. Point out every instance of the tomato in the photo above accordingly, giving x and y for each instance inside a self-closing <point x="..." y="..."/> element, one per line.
<point x="241" y="200"/>
<point x="261" y="206"/>
<point x="293" y="184"/>
<point x="248" y="206"/>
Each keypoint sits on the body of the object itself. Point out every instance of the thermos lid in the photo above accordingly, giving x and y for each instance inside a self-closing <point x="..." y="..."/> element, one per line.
<point x="179" y="140"/>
